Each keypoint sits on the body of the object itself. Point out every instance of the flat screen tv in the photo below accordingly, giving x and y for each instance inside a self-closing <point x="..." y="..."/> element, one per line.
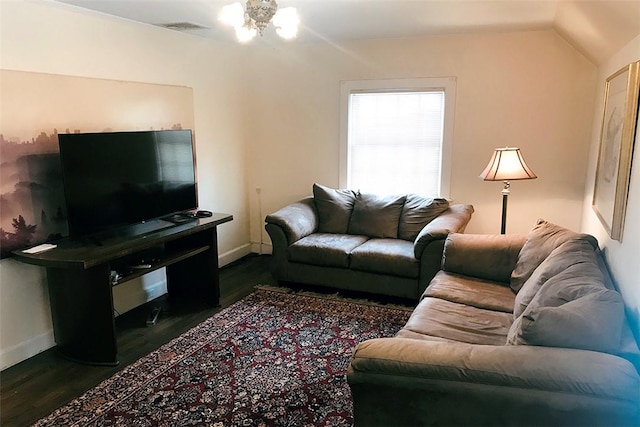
<point x="127" y="182"/>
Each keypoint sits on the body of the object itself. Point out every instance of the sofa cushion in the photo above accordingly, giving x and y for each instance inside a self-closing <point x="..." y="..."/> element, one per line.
<point x="470" y="291"/>
<point x="458" y="322"/>
<point x="490" y="257"/>
<point x="376" y="216"/>
<point x="334" y="208"/>
<point x="387" y="256"/>
<point x="572" y="310"/>
<point x="417" y="212"/>
<point x="541" y="241"/>
<point x="325" y="249"/>
<point x="572" y="252"/>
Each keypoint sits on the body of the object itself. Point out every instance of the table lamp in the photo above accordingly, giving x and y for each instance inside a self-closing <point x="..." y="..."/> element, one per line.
<point x="506" y="165"/>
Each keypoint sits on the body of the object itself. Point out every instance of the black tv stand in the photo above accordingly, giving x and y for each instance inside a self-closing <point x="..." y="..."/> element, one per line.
<point x="94" y="240"/>
<point x="80" y="280"/>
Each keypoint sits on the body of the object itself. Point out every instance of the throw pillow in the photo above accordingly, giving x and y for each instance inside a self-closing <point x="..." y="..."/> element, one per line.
<point x="541" y="241"/>
<point x="417" y="212"/>
<point x="376" y="216"/>
<point x="571" y="313"/>
<point x="572" y="252"/>
<point x="334" y="208"/>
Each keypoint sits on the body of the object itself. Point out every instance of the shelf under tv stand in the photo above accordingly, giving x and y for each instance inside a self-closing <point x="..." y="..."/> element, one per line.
<point x="79" y="276"/>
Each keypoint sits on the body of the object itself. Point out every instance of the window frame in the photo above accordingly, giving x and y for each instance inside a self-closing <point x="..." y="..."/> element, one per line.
<point x="446" y="84"/>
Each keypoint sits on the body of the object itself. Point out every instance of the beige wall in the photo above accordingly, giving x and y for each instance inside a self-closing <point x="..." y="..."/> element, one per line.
<point x="622" y="257"/>
<point x="526" y="89"/>
<point x="49" y="37"/>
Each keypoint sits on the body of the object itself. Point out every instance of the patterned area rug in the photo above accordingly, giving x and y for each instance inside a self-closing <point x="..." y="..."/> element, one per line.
<point x="273" y="358"/>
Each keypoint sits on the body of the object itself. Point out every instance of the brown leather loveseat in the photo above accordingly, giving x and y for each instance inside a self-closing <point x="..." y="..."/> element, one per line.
<point x="363" y="242"/>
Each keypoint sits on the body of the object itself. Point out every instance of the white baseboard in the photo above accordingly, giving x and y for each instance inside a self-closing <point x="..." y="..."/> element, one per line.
<point x="261" y="248"/>
<point x="234" y="255"/>
<point x="26" y="349"/>
<point x="132" y="294"/>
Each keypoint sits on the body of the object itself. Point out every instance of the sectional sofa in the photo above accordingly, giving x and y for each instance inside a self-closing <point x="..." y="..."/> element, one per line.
<point x="514" y="330"/>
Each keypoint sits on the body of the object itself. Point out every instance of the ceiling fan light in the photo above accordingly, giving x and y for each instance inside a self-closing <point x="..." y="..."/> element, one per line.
<point x="232" y="14"/>
<point x="286" y="17"/>
<point x="245" y="34"/>
<point x="256" y="16"/>
<point x="287" y="33"/>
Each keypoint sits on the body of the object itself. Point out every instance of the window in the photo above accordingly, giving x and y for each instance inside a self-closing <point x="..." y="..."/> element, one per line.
<point x="396" y="136"/>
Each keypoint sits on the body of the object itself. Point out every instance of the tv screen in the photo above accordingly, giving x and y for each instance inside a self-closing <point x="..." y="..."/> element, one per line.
<point x="117" y="179"/>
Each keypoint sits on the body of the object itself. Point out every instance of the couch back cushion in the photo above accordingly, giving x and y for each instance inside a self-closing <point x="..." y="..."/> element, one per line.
<point x="376" y="216"/>
<point x="574" y="251"/>
<point x="417" y="212"/>
<point x="334" y="208"/>
<point x="483" y="256"/>
<point x="573" y="309"/>
<point x="541" y="241"/>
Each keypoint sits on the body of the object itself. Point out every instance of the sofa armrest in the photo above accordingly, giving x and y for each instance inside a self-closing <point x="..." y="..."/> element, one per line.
<point x="453" y="220"/>
<point x="297" y="220"/>
<point x="485" y="256"/>
<point x="436" y="382"/>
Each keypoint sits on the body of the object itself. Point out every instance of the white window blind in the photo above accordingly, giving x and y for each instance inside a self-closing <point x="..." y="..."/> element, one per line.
<point x="395" y="142"/>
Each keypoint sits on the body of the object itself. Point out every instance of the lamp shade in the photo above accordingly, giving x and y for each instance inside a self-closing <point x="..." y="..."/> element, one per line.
<point x="507" y="164"/>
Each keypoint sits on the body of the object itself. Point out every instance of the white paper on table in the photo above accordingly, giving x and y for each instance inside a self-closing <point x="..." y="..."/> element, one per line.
<point x="40" y="248"/>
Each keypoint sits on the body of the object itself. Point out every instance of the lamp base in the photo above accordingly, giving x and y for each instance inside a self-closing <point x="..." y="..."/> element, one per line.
<point x="503" y="227"/>
<point x="505" y="196"/>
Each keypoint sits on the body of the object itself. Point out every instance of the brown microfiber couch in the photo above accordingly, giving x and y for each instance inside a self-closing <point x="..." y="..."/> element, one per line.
<point x="514" y="330"/>
<point x="363" y="242"/>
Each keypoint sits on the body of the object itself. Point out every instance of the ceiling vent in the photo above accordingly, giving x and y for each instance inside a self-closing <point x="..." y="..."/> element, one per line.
<point x="182" y="26"/>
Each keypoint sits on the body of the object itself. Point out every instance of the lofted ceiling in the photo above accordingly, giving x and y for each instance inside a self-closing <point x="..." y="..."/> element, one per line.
<point x="597" y="28"/>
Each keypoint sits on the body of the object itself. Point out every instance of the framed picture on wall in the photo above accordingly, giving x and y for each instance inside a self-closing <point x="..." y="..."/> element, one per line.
<point x="619" y="123"/>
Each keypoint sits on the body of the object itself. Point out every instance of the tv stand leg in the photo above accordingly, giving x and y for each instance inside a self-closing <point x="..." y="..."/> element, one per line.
<point x="82" y="314"/>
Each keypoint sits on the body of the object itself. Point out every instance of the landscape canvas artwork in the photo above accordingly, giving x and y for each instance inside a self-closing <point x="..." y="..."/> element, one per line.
<point x="36" y="107"/>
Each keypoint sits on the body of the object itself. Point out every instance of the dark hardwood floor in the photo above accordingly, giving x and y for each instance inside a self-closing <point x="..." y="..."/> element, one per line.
<point x="34" y="388"/>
